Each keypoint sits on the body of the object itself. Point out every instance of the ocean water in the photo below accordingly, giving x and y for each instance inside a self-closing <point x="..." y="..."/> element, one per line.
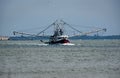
<point x="86" y="59"/>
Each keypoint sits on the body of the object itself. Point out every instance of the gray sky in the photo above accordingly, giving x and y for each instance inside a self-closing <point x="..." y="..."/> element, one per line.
<point x="27" y="14"/>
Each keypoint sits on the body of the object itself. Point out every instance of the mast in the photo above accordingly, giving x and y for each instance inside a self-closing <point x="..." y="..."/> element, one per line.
<point x="58" y="28"/>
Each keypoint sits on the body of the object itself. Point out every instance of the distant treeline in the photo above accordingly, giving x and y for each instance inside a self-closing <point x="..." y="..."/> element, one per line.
<point x="85" y="37"/>
<point x="28" y="38"/>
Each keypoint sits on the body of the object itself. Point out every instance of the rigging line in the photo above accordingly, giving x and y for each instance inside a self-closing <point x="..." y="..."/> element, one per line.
<point x="85" y="26"/>
<point x="29" y="29"/>
<point x="73" y="28"/>
<point x="45" y="29"/>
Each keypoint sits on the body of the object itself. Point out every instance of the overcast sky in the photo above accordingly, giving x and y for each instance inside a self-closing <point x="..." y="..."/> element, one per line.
<point x="25" y="14"/>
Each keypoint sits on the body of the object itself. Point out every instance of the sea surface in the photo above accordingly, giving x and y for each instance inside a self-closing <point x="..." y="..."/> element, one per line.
<point x="86" y="59"/>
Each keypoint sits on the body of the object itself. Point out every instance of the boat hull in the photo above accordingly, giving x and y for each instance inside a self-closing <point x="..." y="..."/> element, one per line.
<point x="67" y="44"/>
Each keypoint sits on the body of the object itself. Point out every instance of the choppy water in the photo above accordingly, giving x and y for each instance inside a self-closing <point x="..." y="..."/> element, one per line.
<point x="87" y="59"/>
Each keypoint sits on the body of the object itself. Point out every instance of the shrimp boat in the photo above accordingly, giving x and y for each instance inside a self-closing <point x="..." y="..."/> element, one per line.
<point x="58" y="37"/>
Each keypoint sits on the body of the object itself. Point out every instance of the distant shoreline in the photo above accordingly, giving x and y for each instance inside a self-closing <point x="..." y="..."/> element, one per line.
<point x="96" y="37"/>
<point x="74" y="37"/>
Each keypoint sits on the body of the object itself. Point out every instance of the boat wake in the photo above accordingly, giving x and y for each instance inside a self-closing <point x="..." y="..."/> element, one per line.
<point x="32" y="44"/>
<point x="38" y="44"/>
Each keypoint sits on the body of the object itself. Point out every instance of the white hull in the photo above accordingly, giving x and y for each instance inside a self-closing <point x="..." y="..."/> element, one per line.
<point x="67" y="44"/>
